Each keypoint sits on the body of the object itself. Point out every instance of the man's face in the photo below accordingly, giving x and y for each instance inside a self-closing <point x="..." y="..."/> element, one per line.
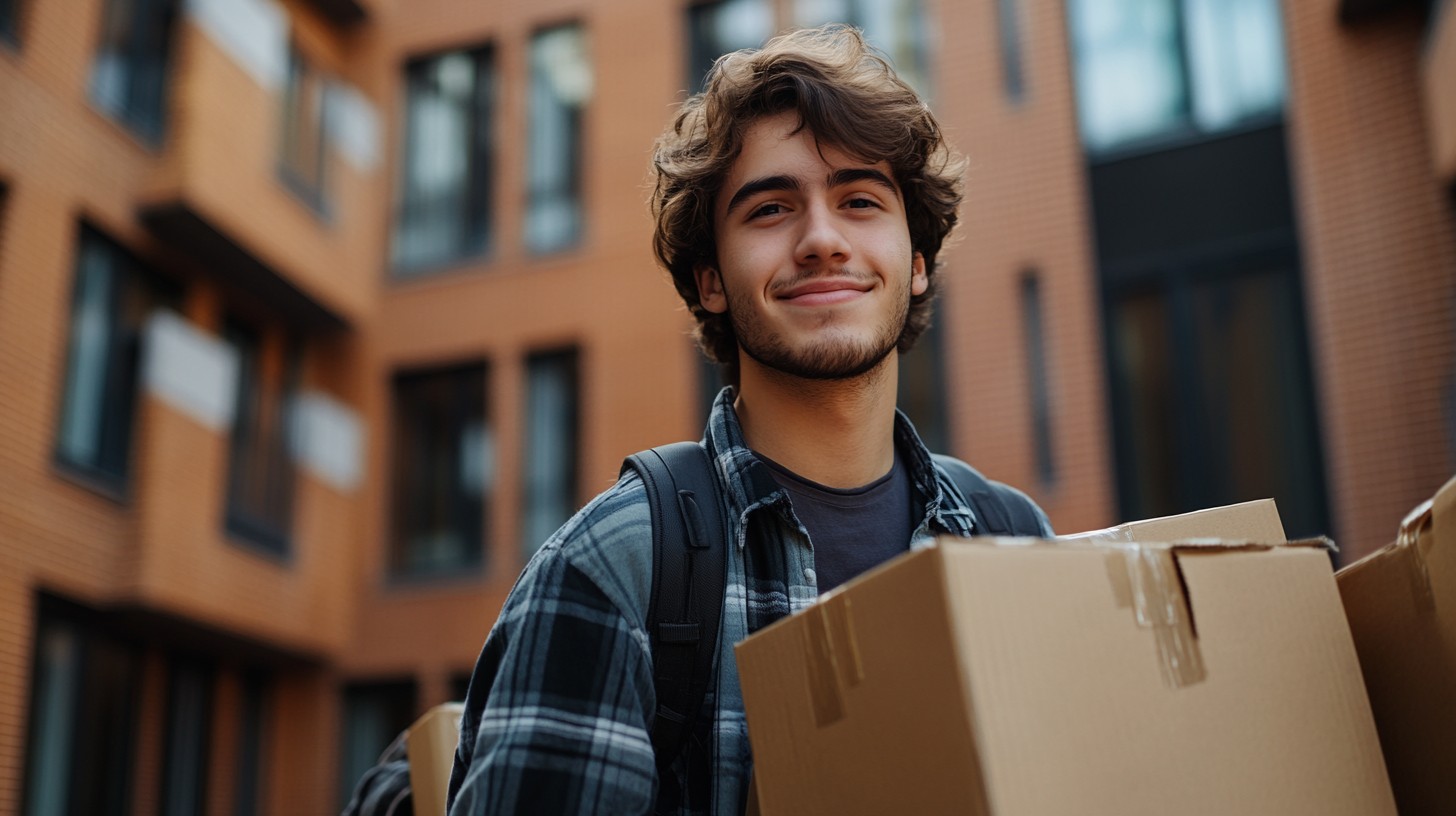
<point x="814" y="266"/>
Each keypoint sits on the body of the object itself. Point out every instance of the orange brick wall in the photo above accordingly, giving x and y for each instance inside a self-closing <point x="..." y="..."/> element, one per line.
<point x="1025" y="211"/>
<point x="1379" y="247"/>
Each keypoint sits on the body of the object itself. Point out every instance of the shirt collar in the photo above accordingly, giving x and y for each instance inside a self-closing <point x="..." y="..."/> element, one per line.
<point x="750" y="485"/>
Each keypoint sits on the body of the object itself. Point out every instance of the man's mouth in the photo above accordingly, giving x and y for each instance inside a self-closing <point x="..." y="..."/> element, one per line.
<point x="824" y="291"/>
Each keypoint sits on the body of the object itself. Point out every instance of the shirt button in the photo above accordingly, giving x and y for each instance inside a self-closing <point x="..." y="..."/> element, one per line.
<point x="809" y="575"/>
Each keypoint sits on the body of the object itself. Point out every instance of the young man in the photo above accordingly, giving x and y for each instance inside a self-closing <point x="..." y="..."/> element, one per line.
<point x="801" y="201"/>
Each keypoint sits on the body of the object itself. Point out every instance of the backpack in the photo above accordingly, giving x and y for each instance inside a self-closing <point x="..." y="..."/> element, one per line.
<point x="690" y="563"/>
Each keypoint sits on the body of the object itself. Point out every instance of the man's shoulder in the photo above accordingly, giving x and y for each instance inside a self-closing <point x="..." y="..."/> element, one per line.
<point x="1025" y="516"/>
<point x="608" y="542"/>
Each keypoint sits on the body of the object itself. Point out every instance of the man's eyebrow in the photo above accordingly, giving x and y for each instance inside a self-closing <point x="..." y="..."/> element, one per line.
<point x="850" y="175"/>
<point x="760" y="185"/>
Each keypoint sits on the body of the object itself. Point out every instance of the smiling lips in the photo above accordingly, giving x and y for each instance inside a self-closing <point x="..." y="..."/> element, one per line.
<point x="824" y="291"/>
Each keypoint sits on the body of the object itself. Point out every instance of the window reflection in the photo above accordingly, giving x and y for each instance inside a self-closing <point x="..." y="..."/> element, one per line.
<point x="561" y="85"/>
<point x="552" y="411"/>
<point x="1150" y="68"/>
<point x="715" y="29"/>
<point x="444" y="206"/>
<point x="896" y="27"/>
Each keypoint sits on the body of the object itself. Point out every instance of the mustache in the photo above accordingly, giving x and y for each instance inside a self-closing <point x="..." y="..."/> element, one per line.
<point x="804" y="276"/>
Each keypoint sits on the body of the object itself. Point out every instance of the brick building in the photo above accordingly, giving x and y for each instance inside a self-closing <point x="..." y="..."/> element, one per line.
<point x="317" y="315"/>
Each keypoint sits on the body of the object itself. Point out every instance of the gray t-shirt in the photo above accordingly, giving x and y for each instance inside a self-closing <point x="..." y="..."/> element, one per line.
<point x="856" y="528"/>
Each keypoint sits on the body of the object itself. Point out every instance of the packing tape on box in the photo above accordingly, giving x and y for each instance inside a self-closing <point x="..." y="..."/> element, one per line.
<point x="1160" y="603"/>
<point x="834" y="660"/>
<point x="1409" y="539"/>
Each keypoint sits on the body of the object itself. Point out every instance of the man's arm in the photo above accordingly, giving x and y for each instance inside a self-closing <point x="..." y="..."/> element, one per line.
<point x="568" y="690"/>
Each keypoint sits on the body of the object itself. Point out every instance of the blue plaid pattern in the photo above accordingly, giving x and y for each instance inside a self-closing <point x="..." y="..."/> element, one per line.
<point x="560" y="706"/>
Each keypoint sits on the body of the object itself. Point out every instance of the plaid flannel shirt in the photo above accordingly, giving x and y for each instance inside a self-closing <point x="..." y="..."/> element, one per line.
<point x="560" y="707"/>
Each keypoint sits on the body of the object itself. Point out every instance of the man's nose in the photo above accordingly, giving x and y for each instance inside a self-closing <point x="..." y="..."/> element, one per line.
<point x="822" y="239"/>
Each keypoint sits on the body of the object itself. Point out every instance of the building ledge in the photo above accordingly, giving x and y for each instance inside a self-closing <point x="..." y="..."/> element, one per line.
<point x="1354" y="11"/>
<point x="342" y="12"/>
<point x="182" y="225"/>
<point x="146" y="621"/>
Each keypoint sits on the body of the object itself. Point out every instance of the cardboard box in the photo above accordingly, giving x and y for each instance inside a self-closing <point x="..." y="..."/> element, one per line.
<point x="1099" y="675"/>
<point x="1401" y="602"/>
<point x="430" y="743"/>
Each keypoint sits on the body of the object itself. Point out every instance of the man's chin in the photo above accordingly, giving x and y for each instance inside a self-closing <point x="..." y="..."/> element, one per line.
<point x="822" y="364"/>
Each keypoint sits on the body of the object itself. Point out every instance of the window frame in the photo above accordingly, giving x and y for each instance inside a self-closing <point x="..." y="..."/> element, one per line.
<point x="304" y="74"/>
<point x="260" y="377"/>
<point x="143" y="111"/>
<point x="121" y="390"/>
<point x="479" y="205"/>
<point x="475" y="564"/>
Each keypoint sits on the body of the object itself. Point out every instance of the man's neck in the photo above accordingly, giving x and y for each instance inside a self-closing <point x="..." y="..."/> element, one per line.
<point x="839" y="433"/>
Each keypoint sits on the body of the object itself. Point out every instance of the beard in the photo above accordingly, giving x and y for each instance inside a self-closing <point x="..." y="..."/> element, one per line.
<point x="833" y="355"/>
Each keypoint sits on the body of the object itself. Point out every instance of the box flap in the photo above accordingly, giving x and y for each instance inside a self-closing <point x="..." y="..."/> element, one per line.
<point x="1256" y="521"/>
<point x="430" y="744"/>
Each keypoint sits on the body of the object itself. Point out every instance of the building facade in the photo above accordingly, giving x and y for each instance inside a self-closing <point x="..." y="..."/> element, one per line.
<point x="317" y="316"/>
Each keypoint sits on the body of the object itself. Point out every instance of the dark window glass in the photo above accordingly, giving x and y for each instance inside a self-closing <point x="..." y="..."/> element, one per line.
<point x="304" y="157"/>
<point x="552" y="439"/>
<point x="112" y="299"/>
<point x="189" y="726"/>
<point x="1148" y="69"/>
<point x="261" y="472"/>
<point x="1008" y="24"/>
<point x="444" y="203"/>
<point x="252" y="737"/>
<point x="80" y="748"/>
<point x="444" y="465"/>
<point x="1213" y="398"/>
<point x="129" y="77"/>
<point x="9" y="21"/>
<point x="1036" y="377"/>
<point x="921" y="393"/>
<point x="716" y="28"/>
<point x="374" y="714"/>
<point x="896" y="27"/>
<point x="561" y="85"/>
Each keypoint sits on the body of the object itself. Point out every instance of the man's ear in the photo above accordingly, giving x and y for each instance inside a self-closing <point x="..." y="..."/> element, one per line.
<point x="919" y="282"/>
<point x="710" y="289"/>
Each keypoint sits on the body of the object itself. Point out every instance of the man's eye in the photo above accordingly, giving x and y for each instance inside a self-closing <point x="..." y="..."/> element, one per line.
<point x="766" y="209"/>
<point x="862" y="203"/>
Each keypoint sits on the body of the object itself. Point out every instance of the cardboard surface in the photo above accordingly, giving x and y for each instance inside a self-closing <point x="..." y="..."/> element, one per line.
<point x="1401" y="603"/>
<point x="430" y="744"/>
<point x="1020" y="677"/>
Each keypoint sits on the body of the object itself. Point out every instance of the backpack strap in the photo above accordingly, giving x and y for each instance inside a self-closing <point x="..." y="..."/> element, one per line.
<point x="689" y="574"/>
<point x="1000" y="509"/>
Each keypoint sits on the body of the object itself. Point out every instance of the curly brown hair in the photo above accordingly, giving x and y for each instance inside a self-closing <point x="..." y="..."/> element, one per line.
<point x="850" y="98"/>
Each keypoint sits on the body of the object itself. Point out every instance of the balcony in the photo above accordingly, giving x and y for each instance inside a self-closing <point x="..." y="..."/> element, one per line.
<point x="184" y="565"/>
<point x="218" y="194"/>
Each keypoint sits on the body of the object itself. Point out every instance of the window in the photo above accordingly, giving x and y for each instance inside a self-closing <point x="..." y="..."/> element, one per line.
<point x="552" y="440"/>
<point x="189" y="726"/>
<point x="1037" y="378"/>
<point x="444" y="205"/>
<point x="260" y="472"/>
<point x="252" y="736"/>
<point x="1008" y="24"/>
<point x="561" y="85"/>
<point x="129" y="78"/>
<point x="112" y="299"/>
<point x="443" y="469"/>
<point x="80" y="749"/>
<point x="304" y="159"/>
<point x="921" y="389"/>
<point x="1154" y="68"/>
<point x="374" y="714"/>
<point x="9" y="21"/>
<point x="896" y="27"/>
<point x="715" y="29"/>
